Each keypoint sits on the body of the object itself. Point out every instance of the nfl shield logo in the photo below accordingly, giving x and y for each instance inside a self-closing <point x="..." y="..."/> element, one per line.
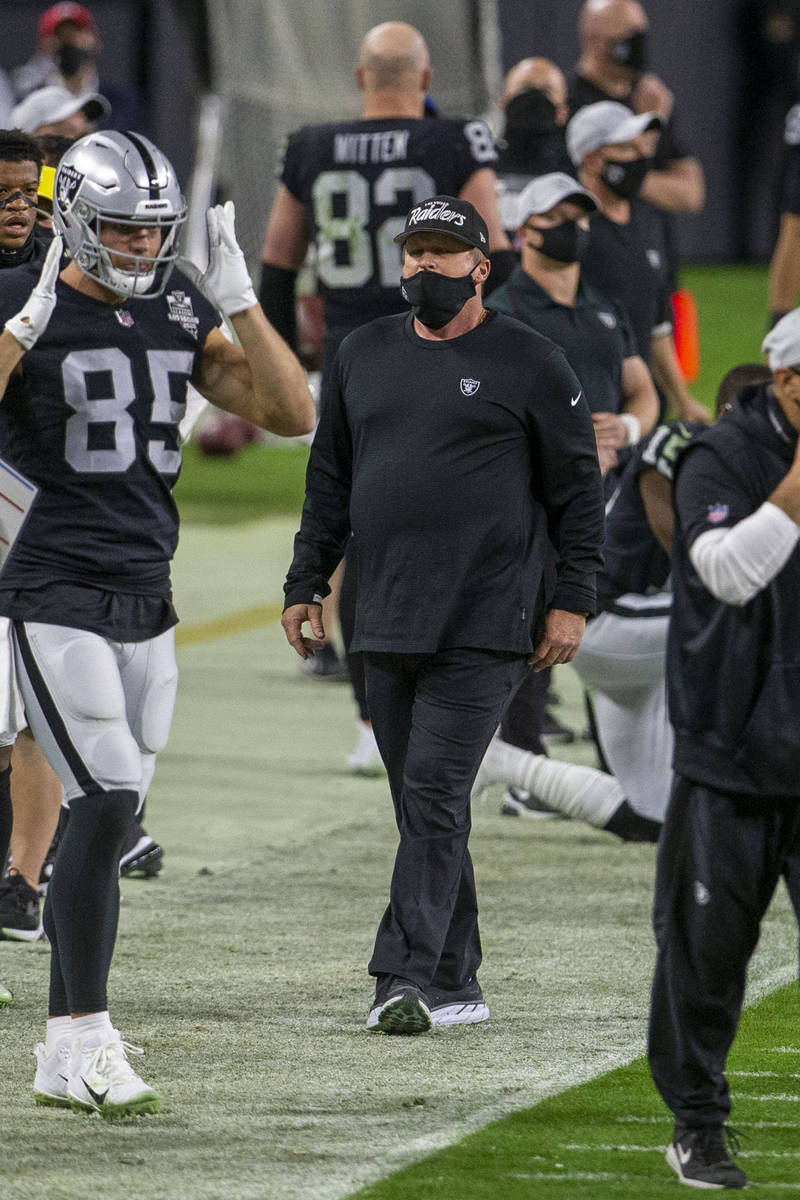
<point x="124" y="317"/>
<point x="717" y="513"/>
<point x="470" y="386"/>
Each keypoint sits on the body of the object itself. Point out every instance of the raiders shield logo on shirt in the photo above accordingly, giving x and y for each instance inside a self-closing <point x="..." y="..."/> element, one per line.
<point x="470" y="386"/>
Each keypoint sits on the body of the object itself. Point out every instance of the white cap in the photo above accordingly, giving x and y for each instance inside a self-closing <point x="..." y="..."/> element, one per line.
<point x="545" y="192"/>
<point x="47" y="105"/>
<point x="606" y="123"/>
<point x="782" y="343"/>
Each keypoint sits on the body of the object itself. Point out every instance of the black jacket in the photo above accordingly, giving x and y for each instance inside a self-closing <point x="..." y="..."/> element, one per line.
<point x="455" y="463"/>
<point x="733" y="672"/>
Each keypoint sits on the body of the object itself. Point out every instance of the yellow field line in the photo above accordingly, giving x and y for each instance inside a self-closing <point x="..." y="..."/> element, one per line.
<point x="237" y="622"/>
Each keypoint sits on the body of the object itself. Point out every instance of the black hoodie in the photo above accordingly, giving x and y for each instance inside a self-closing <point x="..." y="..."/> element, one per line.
<point x="733" y="673"/>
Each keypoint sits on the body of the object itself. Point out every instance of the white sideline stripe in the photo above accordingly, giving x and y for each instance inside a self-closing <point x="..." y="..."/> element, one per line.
<point x="789" y="1097"/>
<point x="612" y="1177"/>
<point x="628" y="1149"/>
<point x="781" y="1050"/>
<point x="765" y="1074"/>
<point x="631" y="1120"/>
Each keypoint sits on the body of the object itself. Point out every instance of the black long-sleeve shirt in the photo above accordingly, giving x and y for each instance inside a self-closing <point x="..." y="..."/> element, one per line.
<point x="455" y="463"/>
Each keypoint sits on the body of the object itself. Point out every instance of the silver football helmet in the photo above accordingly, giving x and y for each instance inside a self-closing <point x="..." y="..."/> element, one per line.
<point x="121" y="178"/>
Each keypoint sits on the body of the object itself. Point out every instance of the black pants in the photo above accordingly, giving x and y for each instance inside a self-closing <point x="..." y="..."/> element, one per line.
<point x="523" y="720"/>
<point x="433" y="716"/>
<point x="719" y="861"/>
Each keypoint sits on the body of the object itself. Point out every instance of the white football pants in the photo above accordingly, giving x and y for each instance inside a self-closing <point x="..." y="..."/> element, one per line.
<point x="622" y="659"/>
<point x="100" y="710"/>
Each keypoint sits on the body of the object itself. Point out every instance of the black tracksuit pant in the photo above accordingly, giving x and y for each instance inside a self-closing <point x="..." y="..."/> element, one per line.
<point x="719" y="861"/>
<point x="433" y="716"/>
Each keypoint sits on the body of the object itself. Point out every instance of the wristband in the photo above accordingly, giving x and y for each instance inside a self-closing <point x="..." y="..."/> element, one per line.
<point x="633" y="427"/>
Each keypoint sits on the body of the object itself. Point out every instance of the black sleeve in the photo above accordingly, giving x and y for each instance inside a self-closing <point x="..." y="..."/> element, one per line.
<point x="708" y="494"/>
<point x="276" y="296"/>
<point x="560" y="425"/>
<point x="325" y="522"/>
<point x="16" y="285"/>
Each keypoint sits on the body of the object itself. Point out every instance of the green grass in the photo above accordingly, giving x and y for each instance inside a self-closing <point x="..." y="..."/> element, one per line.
<point x="258" y="482"/>
<point x="607" y="1138"/>
<point x="732" y="312"/>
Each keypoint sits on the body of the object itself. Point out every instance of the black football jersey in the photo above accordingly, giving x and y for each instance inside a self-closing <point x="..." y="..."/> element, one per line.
<point x="92" y="421"/>
<point x="357" y="181"/>
<point x="635" y="561"/>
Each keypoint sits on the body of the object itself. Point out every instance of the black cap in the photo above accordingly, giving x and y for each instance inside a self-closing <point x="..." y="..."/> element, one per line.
<point x="447" y="214"/>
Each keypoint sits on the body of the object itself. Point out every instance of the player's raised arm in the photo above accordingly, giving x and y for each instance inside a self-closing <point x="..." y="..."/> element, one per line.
<point x="22" y="330"/>
<point x="260" y="380"/>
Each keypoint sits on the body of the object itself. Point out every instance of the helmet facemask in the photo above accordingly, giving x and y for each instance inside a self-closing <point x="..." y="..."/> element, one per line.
<point x="141" y="275"/>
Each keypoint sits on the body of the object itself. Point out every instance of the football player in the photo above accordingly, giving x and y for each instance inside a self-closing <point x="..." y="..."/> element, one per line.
<point x="622" y="657"/>
<point x="94" y="364"/>
<point x="345" y="187"/>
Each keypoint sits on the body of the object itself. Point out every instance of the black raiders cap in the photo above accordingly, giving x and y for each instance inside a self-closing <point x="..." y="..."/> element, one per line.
<point x="447" y="214"/>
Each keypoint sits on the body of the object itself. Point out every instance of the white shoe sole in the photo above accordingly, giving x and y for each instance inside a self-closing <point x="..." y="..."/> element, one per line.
<point x="674" y="1162"/>
<point x="460" y="1014"/>
<point x="22" y="935"/>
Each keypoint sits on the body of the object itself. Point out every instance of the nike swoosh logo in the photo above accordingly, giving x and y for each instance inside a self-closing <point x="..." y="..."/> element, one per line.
<point x="98" y="1097"/>
<point x="574" y="400"/>
<point x="684" y="1155"/>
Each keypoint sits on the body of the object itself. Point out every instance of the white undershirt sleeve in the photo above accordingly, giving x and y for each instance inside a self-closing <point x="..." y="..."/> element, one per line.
<point x="737" y="563"/>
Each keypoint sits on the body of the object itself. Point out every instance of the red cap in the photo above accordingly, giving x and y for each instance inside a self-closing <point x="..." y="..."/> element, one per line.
<point x="53" y="17"/>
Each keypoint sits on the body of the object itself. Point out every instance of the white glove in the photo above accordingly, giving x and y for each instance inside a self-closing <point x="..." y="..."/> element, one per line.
<point x="226" y="281"/>
<point x="28" y="325"/>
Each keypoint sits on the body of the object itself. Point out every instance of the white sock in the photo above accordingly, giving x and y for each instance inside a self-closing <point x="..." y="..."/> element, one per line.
<point x="97" y="1024"/>
<point x="59" y="1029"/>
<point x="582" y="793"/>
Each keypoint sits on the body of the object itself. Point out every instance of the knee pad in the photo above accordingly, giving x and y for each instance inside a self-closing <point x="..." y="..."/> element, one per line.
<point x="155" y="711"/>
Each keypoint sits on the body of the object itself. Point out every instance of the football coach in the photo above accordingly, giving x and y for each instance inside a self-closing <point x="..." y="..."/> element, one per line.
<point x="457" y="446"/>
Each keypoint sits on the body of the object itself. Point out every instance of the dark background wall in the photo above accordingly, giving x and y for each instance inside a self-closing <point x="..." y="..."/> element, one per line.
<point x="157" y="46"/>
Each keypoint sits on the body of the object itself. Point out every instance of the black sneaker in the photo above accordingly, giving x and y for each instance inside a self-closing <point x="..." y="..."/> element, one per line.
<point x="700" y="1157"/>
<point x="141" y="854"/>
<point x="399" y="1007"/>
<point x="519" y="803"/>
<point x="20" y="920"/>
<point x="458" y="1006"/>
<point x="325" y="665"/>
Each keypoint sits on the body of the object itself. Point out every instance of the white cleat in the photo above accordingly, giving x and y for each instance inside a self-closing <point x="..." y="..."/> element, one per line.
<point x="366" y="758"/>
<point x="52" y="1076"/>
<point x="102" y="1080"/>
<point x="5" y="996"/>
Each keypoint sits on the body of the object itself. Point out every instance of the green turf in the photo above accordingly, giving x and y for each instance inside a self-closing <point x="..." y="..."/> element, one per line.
<point x="260" y="481"/>
<point x="607" y="1138"/>
<point x="732" y="314"/>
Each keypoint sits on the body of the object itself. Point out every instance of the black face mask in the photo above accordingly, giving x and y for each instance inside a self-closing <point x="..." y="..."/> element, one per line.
<point x="566" y="243"/>
<point x="630" y="51"/>
<point x="435" y="299"/>
<point x="625" y="178"/>
<point x="531" y="112"/>
<point x="71" y="59"/>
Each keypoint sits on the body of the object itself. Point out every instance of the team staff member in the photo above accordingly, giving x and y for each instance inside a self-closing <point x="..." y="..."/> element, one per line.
<point x="345" y="188"/>
<point x="535" y="114"/>
<point x="548" y="292"/>
<point x="626" y="258"/>
<point x="613" y="66"/>
<point x="733" y="824"/>
<point x="457" y="442"/>
<point x="93" y="370"/>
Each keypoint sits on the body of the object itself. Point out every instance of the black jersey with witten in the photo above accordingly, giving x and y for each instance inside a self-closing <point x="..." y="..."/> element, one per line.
<point x="357" y="181"/>
<point x="595" y="333"/>
<point x="92" y="421"/>
<point x="629" y="264"/>
<point x="454" y="462"/>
